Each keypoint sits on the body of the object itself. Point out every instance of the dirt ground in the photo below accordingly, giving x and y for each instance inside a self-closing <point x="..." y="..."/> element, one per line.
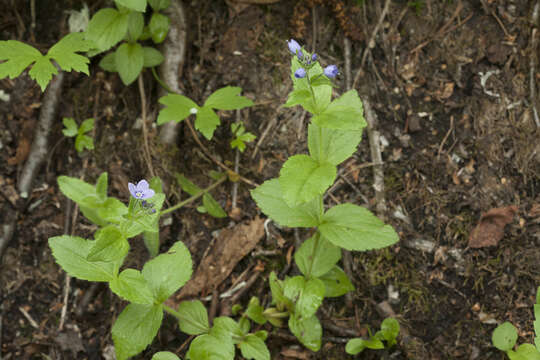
<point x="453" y="86"/>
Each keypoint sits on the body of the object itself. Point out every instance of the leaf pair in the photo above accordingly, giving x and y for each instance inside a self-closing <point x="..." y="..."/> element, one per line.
<point x="82" y="141"/>
<point x="178" y="107"/>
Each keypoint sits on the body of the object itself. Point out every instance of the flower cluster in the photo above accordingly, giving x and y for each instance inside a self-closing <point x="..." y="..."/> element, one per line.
<point x="331" y="71"/>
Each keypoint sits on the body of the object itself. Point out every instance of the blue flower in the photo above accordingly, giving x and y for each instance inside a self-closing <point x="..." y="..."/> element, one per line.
<point x="314" y="57"/>
<point x="294" y="47"/>
<point x="300" y="55"/>
<point x="331" y="71"/>
<point x="300" y="73"/>
<point x="141" y="190"/>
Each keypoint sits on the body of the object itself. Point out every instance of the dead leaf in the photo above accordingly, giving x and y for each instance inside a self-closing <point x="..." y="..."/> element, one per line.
<point x="25" y="142"/>
<point x="295" y="353"/>
<point x="490" y="228"/>
<point x="230" y="247"/>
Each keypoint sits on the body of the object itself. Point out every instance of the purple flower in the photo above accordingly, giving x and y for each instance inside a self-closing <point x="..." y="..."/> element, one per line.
<point x="331" y="71"/>
<point x="314" y="57"/>
<point x="300" y="55"/>
<point x="141" y="190"/>
<point x="300" y="73"/>
<point x="294" y="47"/>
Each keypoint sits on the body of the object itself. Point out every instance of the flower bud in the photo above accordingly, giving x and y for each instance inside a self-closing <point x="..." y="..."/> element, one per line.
<point x="300" y="73"/>
<point x="331" y="71"/>
<point x="294" y="47"/>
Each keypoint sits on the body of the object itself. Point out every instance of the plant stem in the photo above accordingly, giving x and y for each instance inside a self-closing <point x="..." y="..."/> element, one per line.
<point x="160" y="82"/>
<point x="194" y="197"/>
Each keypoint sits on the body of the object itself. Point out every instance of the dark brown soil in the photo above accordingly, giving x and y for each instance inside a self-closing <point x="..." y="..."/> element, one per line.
<point x="450" y="84"/>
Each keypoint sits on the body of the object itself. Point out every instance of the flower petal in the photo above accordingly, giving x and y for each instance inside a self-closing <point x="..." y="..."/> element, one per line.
<point x="143" y="185"/>
<point x="148" y="193"/>
<point x="132" y="188"/>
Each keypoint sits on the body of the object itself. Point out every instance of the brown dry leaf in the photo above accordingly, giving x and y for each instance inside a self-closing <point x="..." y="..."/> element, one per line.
<point x="25" y="141"/>
<point x="490" y="228"/>
<point x="230" y="247"/>
<point x="295" y="354"/>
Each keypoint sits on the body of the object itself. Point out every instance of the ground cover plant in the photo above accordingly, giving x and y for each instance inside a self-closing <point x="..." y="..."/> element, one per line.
<point x="249" y="234"/>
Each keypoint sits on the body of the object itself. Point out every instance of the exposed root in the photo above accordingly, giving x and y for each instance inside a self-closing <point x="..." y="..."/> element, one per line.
<point x="376" y="157"/>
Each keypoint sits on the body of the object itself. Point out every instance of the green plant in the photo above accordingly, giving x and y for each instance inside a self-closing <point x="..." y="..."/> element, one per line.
<point x="505" y="337"/>
<point x="82" y="141"/>
<point x="386" y="337"/>
<point x="241" y="137"/>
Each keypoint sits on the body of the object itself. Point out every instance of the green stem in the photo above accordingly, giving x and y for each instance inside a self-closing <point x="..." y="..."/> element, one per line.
<point x="160" y="82"/>
<point x="194" y="197"/>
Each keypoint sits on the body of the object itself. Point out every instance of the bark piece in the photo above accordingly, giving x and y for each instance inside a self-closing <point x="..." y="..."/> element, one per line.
<point x="490" y="228"/>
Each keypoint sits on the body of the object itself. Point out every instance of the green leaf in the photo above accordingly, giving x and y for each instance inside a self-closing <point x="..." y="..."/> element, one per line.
<point x="254" y="311"/>
<point x="64" y="52"/>
<point x="130" y="285"/>
<point x="112" y="210"/>
<point x="252" y="347"/>
<point x="187" y="185"/>
<point x="178" y="107"/>
<point x="344" y="113"/>
<point x="83" y="142"/>
<point x="226" y="328"/>
<point x="302" y="179"/>
<point x="357" y="345"/>
<point x="504" y="336"/>
<point x="316" y="256"/>
<point x="165" y="355"/>
<point x="152" y="57"/>
<point x="306" y="295"/>
<point x="71" y="254"/>
<point x="356" y="228"/>
<point x="135" y="329"/>
<point x="227" y="98"/>
<point x="108" y="63"/>
<point x="390" y="330"/>
<point x="129" y="60"/>
<point x="524" y="352"/>
<point x="269" y="198"/>
<point x="135" y="25"/>
<point x="167" y="272"/>
<point x="308" y="331"/>
<point x="159" y="27"/>
<point x="300" y="97"/>
<point x="330" y="145"/>
<point x="323" y="93"/>
<point x="75" y="189"/>
<point x="336" y="282"/>
<point x="213" y="207"/>
<point x="194" y="318"/>
<point x="107" y="27"/>
<point x="206" y="122"/>
<point x="71" y="128"/>
<point x="159" y="4"/>
<point x="537" y="325"/>
<point x="137" y="5"/>
<point x="209" y="347"/>
<point x="101" y="186"/>
<point x="151" y="241"/>
<point x="18" y="55"/>
<point x="276" y="287"/>
<point x="86" y="126"/>
<point x="42" y="72"/>
<point x="110" y="245"/>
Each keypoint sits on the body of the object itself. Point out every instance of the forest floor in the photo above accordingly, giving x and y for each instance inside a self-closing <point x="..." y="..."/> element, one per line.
<point x="450" y="85"/>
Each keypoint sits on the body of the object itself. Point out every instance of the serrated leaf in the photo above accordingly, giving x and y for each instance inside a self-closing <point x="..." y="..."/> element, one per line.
<point x="18" y="55"/>
<point x="330" y="145"/>
<point x="135" y="328"/>
<point x="152" y="57"/>
<point x="206" y="122"/>
<point x="336" y="282"/>
<point x="84" y="142"/>
<point x="390" y="330"/>
<point x="101" y="186"/>
<point x="110" y="245"/>
<point x="300" y="97"/>
<point x="86" y="126"/>
<point x="71" y="128"/>
<point x="227" y="98"/>
<point x="165" y="355"/>
<point x="167" y="272"/>
<point x="316" y="256"/>
<point x="159" y="27"/>
<point x="323" y="93"/>
<point x="355" y="228"/>
<point x="178" y="107"/>
<point x="75" y="189"/>
<point x="107" y="27"/>
<point x="537" y="325"/>
<point x="344" y="113"/>
<point x="194" y="318"/>
<point x="276" y="288"/>
<point x="254" y="311"/>
<point x="213" y="207"/>
<point x="504" y="336"/>
<point x="42" y="72"/>
<point x="269" y="198"/>
<point x="64" y="52"/>
<point x="137" y="5"/>
<point x="71" y="254"/>
<point x="226" y="328"/>
<point x="130" y="285"/>
<point x="253" y="347"/>
<point x="151" y="241"/>
<point x="209" y="347"/>
<point x="303" y="179"/>
<point x="129" y="60"/>
<point x="308" y="331"/>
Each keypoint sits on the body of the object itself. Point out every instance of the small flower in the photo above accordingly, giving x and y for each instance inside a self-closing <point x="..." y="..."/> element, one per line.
<point x="331" y="71"/>
<point x="300" y="73"/>
<point x="314" y="57"/>
<point x="141" y="190"/>
<point x="294" y="47"/>
<point x="193" y="111"/>
<point x="300" y="55"/>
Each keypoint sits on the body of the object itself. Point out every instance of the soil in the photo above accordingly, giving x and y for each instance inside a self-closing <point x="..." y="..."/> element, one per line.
<point x="450" y="84"/>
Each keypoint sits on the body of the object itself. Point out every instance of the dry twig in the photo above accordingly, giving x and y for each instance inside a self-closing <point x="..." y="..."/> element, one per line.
<point x="533" y="62"/>
<point x="146" y="152"/>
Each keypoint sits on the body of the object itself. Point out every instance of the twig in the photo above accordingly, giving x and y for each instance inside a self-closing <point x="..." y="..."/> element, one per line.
<point x="533" y="62"/>
<point x="236" y="166"/>
<point x="147" y="155"/>
<point x="371" y="43"/>
<point x="32" y="322"/>
<point x="347" y="54"/>
<point x="446" y="137"/>
<point x="213" y="306"/>
<point x="269" y="126"/>
<point x="174" y="50"/>
<point x="192" y="198"/>
<point x="218" y="163"/>
<point x="40" y="144"/>
<point x="376" y="157"/>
